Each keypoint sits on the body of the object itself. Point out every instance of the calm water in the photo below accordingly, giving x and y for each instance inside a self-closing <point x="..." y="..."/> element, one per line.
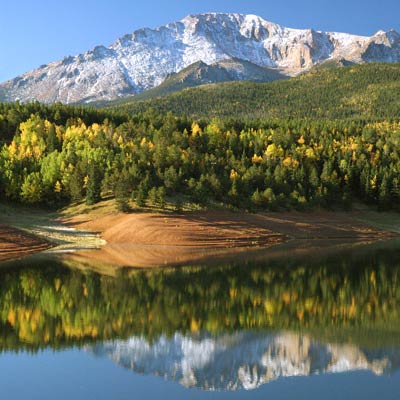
<point x="310" y="327"/>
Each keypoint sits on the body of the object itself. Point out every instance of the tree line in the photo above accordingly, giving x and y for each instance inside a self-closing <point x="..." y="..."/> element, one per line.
<point x="153" y="158"/>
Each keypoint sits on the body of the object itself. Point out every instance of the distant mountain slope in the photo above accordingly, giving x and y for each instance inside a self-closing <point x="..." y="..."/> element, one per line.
<point x="200" y="73"/>
<point x="144" y="59"/>
<point x="360" y="91"/>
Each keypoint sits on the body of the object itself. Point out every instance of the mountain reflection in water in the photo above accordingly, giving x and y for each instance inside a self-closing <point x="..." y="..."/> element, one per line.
<point x="228" y="327"/>
<point x="243" y="360"/>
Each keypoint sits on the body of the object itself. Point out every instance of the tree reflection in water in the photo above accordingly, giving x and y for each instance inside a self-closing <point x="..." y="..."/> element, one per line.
<point x="352" y="297"/>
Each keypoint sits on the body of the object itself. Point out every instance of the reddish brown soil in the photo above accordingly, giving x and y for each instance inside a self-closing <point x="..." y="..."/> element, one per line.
<point x="15" y="243"/>
<point x="146" y="239"/>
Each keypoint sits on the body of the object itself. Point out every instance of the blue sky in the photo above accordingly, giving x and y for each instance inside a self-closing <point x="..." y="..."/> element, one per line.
<point x="35" y="32"/>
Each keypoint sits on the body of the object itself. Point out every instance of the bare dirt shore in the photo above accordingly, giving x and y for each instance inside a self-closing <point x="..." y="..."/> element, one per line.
<point x="149" y="239"/>
<point x="154" y="239"/>
<point x="15" y="243"/>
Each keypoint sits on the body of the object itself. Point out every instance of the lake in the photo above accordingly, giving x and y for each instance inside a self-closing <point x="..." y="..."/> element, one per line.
<point x="310" y="326"/>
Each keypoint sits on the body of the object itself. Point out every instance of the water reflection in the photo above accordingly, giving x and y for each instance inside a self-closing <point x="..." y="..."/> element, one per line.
<point x="228" y="327"/>
<point x="243" y="360"/>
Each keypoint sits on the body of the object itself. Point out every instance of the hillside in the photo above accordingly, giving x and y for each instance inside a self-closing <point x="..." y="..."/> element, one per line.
<point x="370" y="91"/>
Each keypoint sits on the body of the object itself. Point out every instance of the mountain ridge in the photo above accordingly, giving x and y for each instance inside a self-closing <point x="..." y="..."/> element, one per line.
<point x="142" y="60"/>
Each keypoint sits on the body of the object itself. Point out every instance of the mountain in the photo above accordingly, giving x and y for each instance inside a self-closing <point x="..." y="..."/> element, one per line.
<point x="370" y="91"/>
<point x="201" y="73"/>
<point x="243" y="360"/>
<point x="144" y="59"/>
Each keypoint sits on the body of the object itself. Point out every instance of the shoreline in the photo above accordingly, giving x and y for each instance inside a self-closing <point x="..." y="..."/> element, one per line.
<point x="152" y="239"/>
<point x="16" y="243"/>
<point x="149" y="240"/>
<point x="28" y="231"/>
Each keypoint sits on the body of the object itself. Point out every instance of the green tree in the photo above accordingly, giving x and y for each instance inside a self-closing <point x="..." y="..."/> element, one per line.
<point x="94" y="181"/>
<point x="31" y="189"/>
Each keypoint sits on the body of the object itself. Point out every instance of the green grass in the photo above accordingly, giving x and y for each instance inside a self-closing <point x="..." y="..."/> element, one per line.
<point x="173" y="204"/>
<point x="388" y="221"/>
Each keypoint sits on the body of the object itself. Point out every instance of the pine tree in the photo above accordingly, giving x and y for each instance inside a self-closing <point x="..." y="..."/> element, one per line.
<point x="93" y="191"/>
<point x="122" y="191"/>
<point x="141" y="195"/>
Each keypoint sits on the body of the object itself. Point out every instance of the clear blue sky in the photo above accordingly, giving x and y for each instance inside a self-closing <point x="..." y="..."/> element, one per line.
<point x="35" y="32"/>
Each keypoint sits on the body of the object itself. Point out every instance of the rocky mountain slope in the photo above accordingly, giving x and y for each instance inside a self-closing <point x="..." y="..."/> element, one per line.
<point x="244" y="360"/>
<point x="144" y="59"/>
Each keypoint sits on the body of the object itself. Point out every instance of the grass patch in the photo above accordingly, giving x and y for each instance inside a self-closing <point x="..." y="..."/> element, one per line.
<point x="109" y="206"/>
<point x="388" y="221"/>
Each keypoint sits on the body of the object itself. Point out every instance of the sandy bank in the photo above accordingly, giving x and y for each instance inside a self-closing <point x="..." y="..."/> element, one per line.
<point x="150" y="239"/>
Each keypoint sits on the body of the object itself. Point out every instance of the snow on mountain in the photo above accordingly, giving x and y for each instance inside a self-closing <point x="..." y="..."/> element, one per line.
<point x="144" y="59"/>
<point x="244" y="360"/>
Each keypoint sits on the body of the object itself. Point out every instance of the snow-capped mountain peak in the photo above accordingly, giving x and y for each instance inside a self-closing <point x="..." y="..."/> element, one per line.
<point x="145" y="58"/>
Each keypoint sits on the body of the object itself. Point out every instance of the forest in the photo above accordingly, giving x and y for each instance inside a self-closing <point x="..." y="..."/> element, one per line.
<point x="369" y="91"/>
<point x="55" y="155"/>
